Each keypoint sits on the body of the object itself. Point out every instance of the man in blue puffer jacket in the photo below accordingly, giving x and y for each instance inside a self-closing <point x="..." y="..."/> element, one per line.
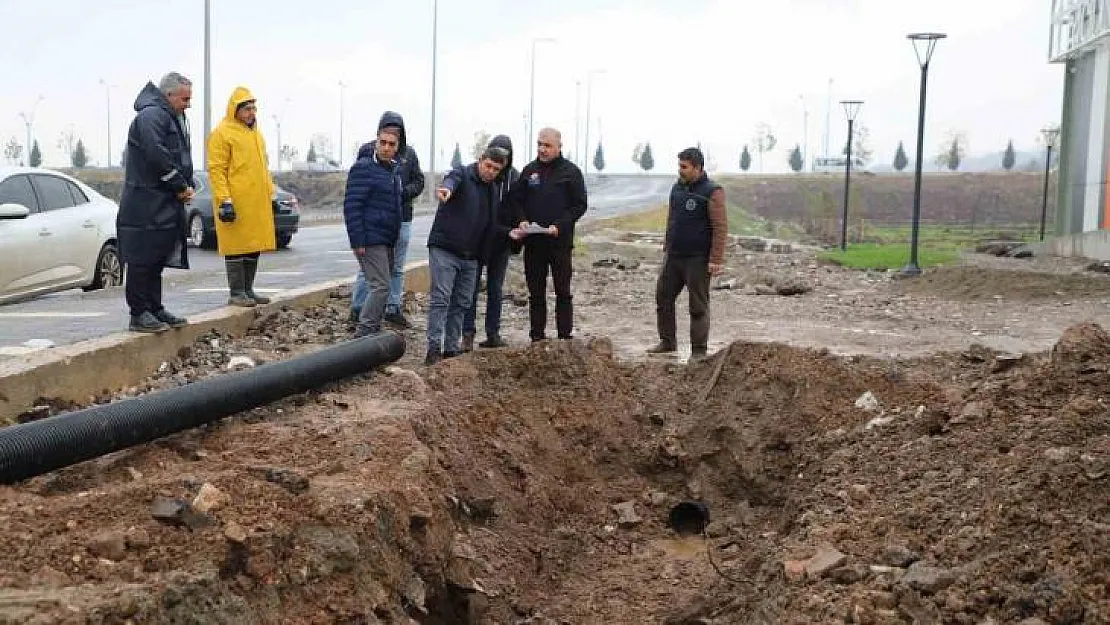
<point x="372" y="211"/>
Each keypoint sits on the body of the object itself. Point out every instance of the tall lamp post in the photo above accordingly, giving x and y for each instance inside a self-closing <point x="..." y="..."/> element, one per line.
<point x="923" y="45"/>
<point x="577" y="123"/>
<point x="277" y="123"/>
<point x="1050" y="136"/>
<point x="29" y="122"/>
<point x="108" y="121"/>
<point x="851" y="110"/>
<point x="435" y="59"/>
<point x="207" y="79"/>
<point x="805" y="131"/>
<point x="532" y="97"/>
<point x="342" y="86"/>
<point x="589" y="101"/>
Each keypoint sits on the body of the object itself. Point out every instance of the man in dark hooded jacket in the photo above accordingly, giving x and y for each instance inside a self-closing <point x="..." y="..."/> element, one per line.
<point x="412" y="180"/>
<point x="158" y="181"/>
<point x="495" y="258"/>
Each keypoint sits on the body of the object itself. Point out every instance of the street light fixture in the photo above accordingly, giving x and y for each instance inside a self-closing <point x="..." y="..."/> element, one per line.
<point x="207" y="79"/>
<point x="923" y="45"/>
<point x="29" y="121"/>
<point x="435" y="58"/>
<point x="589" y="101"/>
<point x="108" y="120"/>
<point x="851" y="110"/>
<point x="1051" y="134"/>
<point x="532" y="97"/>
<point x="342" y="86"/>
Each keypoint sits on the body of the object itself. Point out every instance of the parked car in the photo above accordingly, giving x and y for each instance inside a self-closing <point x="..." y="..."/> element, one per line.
<point x="202" y="225"/>
<point x="56" y="233"/>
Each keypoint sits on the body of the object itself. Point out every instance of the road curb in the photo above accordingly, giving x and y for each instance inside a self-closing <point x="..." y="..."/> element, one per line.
<point x="82" y="371"/>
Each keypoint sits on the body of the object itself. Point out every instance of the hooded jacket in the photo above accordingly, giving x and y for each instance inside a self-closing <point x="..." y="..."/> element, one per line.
<point x="238" y="171"/>
<point x="158" y="165"/>
<point x="412" y="178"/>
<point x="372" y="203"/>
<point x="503" y="222"/>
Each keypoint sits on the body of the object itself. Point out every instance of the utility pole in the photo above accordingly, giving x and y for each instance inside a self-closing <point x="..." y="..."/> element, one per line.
<point x="207" y="79"/>
<point x="578" y="122"/>
<point x="532" y="99"/>
<point x="828" y="109"/>
<point x="435" y="44"/>
<point x="589" y="100"/>
<point x="108" y="121"/>
<point x="342" y="86"/>
<point x="29" y="122"/>
<point x="277" y="122"/>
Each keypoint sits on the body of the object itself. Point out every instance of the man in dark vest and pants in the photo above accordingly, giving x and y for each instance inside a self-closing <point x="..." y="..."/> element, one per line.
<point x="697" y="231"/>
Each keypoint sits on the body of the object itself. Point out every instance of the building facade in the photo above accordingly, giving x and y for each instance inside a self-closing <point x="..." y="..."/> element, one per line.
<point x="1080" y="40"/>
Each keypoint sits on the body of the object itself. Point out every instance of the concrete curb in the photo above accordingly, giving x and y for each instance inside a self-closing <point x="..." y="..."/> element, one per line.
<point x="84" y="370"/>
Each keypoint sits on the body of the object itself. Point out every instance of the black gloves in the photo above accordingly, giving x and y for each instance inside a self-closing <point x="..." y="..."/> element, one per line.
<point x="227" y="212"/>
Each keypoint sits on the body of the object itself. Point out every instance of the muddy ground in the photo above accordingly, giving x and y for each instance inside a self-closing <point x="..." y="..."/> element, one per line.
<point x="926" y="451"/>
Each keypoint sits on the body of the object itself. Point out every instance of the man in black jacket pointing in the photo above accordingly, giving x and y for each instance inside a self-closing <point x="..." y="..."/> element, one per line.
<point x="549" y="195"/>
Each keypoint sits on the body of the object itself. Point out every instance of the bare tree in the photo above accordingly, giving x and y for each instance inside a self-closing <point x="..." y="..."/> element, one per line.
<point x="12" y="151"/>
<point x="764" y="140"/>
<point x="481" y="140"/>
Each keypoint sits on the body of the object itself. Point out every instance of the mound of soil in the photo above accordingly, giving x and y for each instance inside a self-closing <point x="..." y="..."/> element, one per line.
<point x="970" y="283"/>
<point x="535" y="485"/>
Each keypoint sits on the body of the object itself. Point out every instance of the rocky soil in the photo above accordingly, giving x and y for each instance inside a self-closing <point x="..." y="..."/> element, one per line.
<point x="930" y="451"/>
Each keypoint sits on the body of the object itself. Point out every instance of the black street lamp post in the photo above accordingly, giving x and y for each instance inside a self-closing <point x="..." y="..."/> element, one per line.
<point x="851" y="110"/>
<point x="923" y="46"/>
<point x="1050" y="136"/>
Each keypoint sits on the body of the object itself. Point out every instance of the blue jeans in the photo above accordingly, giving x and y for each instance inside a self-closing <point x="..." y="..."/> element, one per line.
<point x="452" y="290"/>
<point x="397" y="280"/>
<point x="495" y="282"/>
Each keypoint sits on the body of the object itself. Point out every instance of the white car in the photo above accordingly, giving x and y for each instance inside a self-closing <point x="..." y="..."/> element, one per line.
<point x="56" y="233"/>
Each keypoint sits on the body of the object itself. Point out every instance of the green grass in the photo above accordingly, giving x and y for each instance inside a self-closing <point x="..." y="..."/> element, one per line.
<point x="740" y="222"/>
<point x="887" y="256"/>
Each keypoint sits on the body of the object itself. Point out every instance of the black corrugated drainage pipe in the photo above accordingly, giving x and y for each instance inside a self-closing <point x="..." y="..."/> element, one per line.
<point x="34" y="448"/>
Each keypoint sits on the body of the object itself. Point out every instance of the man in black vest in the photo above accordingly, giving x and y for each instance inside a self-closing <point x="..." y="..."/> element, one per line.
<point x="697" y="231"/>
<point x="548" y="200"/>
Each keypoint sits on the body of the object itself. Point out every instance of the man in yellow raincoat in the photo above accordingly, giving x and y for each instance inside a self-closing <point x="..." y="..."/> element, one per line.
<point x="242" y="193"/>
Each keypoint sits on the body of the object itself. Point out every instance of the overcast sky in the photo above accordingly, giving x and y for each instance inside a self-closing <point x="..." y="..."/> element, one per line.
<point x="675" y="73"/>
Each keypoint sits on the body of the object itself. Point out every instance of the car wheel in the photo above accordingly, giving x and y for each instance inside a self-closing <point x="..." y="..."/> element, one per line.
<point x="109" y="269"/>
<point x="196" y="231"/>
<point x="283" y="241"/>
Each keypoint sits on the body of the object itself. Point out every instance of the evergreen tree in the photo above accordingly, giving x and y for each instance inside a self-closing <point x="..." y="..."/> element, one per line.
<point x="1009" y="157"/>
<point x="599" y="158"/>
<point x="900" y="160"/>
<point x="647" y="161"/>
<point x="456" y="158"/>
<point x="745" y="159"/>
<point x="795" y="160"/>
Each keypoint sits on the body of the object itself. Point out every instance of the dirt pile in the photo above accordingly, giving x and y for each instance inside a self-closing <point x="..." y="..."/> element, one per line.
<point x="534" y="486"/>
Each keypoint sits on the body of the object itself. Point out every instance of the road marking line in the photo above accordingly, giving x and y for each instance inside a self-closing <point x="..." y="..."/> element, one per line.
<point x="347" y="260"/>
<point x="339" y="252"/>
<point x="224" y="290"/>
<point x="50" y="315"/>
<point x="281" y="273"/>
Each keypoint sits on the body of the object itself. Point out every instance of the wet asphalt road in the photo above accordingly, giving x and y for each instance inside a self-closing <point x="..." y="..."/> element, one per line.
<point x="318" y="253"/>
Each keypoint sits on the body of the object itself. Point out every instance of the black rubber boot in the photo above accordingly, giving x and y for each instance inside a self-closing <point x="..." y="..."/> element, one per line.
<point x="237" y="283"/>
<point x="251" y="265"/>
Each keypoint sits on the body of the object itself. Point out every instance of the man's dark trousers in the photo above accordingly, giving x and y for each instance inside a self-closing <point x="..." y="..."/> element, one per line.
<point x="691" y="273"/>
<point x="143" y="286"/>
<point x="539" y="255"/>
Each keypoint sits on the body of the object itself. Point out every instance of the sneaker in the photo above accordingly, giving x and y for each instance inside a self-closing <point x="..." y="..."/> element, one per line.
<point x="398" y="319"/>
<point x="698" y="354"/>
<point x="451" y="354"/>
<point x="355" y="312"/>
<point x="147" y="324"/>
<point x="241" y="301"/>
<point x="468" y="342"/>
<point x="432" y="357"/>
<point x="662" y="347"/>
<point x="171" y="319"/>
<point x="362" y="332"/>
<point x="493" y="342"/>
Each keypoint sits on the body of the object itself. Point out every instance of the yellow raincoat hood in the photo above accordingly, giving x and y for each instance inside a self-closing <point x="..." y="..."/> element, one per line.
<point x="239" y="96"/>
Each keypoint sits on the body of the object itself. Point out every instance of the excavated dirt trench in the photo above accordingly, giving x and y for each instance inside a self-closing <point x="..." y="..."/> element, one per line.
<point x="534" y="486"/>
